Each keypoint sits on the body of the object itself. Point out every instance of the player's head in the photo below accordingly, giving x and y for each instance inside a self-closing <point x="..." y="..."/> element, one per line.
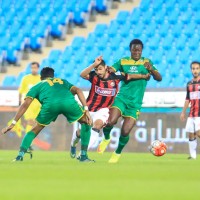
<point x="35" y="68"/>
<point x="47" y="72"/>
<point x="101" y="69"/>
<point x="136" y="47"/>
<point x="195" y="68"/>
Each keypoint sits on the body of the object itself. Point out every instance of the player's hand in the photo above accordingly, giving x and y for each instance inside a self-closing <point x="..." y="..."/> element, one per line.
<point x="182" y="116"/>
<point x="8" y="128"/>
<point x="98" y="60"/>
<point x="88" y="118"/>
<point x="147" y="76"/>
<point x="148" y="66"/>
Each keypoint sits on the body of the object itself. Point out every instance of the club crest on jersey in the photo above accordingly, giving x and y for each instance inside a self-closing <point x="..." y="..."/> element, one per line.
<point x="105" y="91"/>
<point x="133" y="69"/>
<point x="112" y="84"/>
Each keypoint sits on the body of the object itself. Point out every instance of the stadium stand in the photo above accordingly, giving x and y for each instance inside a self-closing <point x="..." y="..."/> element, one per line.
<point x="169" y="30"/>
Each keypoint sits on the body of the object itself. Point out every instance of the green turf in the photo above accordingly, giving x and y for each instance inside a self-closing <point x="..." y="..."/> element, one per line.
<point x="54" y="175"/>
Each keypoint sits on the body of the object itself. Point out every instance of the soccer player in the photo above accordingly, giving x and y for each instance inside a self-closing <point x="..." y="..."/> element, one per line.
<point x="101" y="96"/>
<point x="128" y="101"/>
<point x="29" y="81"/>
<point x="56" y="97"/>
<point x="193" y="99"/>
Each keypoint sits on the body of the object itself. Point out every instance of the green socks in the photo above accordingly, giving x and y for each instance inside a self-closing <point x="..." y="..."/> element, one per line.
<point x="106" y="132"/>
<point x="85" y="138"/>
<point x="27" y="140"/>
<point x="122" y="143"/>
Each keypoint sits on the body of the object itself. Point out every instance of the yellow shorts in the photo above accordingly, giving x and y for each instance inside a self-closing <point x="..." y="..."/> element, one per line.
<point x="33" y="110"/>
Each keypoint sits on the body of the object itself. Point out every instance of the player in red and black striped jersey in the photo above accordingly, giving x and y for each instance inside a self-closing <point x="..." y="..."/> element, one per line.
<point x="101" y="96"/>
<point x="193" y="99"/>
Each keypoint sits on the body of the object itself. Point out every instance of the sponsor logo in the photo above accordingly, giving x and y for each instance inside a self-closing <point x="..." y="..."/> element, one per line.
<point x="133" y="69"/>
<point x="195" y="95"/>
<point x="112" y="84"/>
<point x="105" y="91"/>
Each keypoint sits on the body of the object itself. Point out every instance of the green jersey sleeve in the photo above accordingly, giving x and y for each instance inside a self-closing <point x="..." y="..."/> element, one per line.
<point x="117" y="66"/>
<point x="67" y="84"/>
<point x="34" y="91"/>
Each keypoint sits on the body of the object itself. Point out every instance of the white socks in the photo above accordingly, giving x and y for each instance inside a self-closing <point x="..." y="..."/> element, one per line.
<point x="192" y="148"/>
<point x="93" y="139"/>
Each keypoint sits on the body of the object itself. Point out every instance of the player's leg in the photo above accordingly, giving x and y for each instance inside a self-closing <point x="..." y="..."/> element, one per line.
<point x="75" y="140"/>
<point x="192" y="143"/>
<point x="114" y="115"/>
<point x="27" y="140"/>
<point x="127" y="126"/>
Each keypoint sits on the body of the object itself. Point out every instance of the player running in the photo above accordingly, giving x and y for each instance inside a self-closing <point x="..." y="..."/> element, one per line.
<point x="101" y="96"/>
<point x="193" y="98"/>
<point x="56" y="97"/>
<point x="128" y="101"/>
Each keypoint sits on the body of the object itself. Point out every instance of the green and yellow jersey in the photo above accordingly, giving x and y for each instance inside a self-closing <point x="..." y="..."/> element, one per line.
<point x="132" y="92"/>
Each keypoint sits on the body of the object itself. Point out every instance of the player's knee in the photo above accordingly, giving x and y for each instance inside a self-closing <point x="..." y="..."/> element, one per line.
<point x="111" y="121"/>
<point x="125" y="132"/>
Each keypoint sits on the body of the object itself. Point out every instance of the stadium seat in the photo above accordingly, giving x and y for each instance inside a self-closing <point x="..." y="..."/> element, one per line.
<point x="171" y="55"/>
<point x="177" y="29"/>
<point x="146" y="52"/>
<point x="144" y="5"/>
<point x="170" y="5"/>
<point x="183" y="5"/>
<point x="78" y="42"/>
<point x="54" y="55"/>
<point x="150" y="29"/>
<point x="157" y="5"/>
<point x="102" y="42"/>
<point x="184" y="55"/>
<point x="154" y="42"/>
<point x="113" y="29"/>
<point x="180" y="43"/>
<point x="19" y="78"/>
<point x="190" y="29"/>
<point x="135" y="15"/>
<point x="173" y="17"/>
<point x="100" y="30"/>
<point x="147" y="17"/>
<point x="90" y="41"/>
<point x="9" y="81"/>
<point x="115" y="42"/>
<point x="122" y="17"/>
<point x="157" y="57"/>
<point x="167" y="42"/>
<point x="179" y="81"/>
<point x="160" y="16"/>
<point x="101" y="5"/>
<point x="193" y="42"/>
<point x="163" y="29"/>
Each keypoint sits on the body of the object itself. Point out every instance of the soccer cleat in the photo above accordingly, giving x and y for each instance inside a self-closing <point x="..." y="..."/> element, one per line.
<point x="73" y="152"/>
<point x="114" y="158"/>
<point x="191" y="158"/>
<point x="31" y="154"/>
<point x="102" y="146"/>
<point x="18" y="158"/>
<point x="84" y="158"/>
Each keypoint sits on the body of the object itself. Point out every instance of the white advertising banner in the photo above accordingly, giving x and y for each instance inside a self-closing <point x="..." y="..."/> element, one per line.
<point x="9" y="98"/>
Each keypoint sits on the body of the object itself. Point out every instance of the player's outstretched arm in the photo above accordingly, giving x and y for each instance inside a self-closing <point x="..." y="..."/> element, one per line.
<point x="85" y="73"/>
<point x="137" y="76"/>
<point x="183" y="113"/>
<point x="20" y="112"/>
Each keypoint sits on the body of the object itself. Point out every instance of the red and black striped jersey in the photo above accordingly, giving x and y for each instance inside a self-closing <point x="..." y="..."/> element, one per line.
<point x="193" y="95"/>
<point x="103" y="91"/>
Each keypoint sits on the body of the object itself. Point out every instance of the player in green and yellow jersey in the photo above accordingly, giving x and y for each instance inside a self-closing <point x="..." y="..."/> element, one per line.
<point x="128" y="101"/>
<point x="56" y="97"/>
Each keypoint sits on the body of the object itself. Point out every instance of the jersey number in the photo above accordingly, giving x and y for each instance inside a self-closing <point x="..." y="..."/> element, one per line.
<point x="55" y="80"/>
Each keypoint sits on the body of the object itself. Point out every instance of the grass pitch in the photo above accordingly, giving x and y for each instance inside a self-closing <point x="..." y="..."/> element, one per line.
<point x="55" y="176"/>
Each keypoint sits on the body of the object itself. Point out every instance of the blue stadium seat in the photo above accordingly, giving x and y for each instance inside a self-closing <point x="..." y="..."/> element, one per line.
<point x="100" y="29"/>
<point x="80" y="55"/>
<point x="163" y="29"/>
<point x="195" y="6"/>
<point x="171" y="56"/>
<point x="179" y="81"/>
<point x="166" y="81"/>
<point x="78" y="42"/>
<point x="146" y="51"/>
<point x="102" y="42"/>
<point x="118" y="54"/>
<point x="122" y="17"/>
<point x="54" y="55"/>
<point x="177" y="29"/>
<point x="46" y="63"/>
<point x="115" y="42"/>
<point x="183" y="56"/>
<point x="101" y="6"/>
<point x="195" y="55"/>
<point x="113" y="29"/>
<point x="135" y="15"/>
<point x="82" y="83"/>
<point x="93" y="54"/>
<point x="144" y="5"/>
<point x="169" y="5"/>
<point x="183" y="5"/>
<point x="150" y="29"/>
<point x="73" y="79"/>
<point x="147" y="17"/>
<point x="173" y="17"/>
<point x="154" y="42"/>
<point x="157" y="57"/>
<point x="190" y="29"/>
<point x="90" y="41"/>
<point x="181" y="42"/>
<point x="167" y="42"/>
<point x="157" y="5"/>
<point x="9" y="81"/>
<point x="19" y="78"/>
<point x="160" y="16"/>
<point x="106" y="53"/>
<point x="152" y="83"/>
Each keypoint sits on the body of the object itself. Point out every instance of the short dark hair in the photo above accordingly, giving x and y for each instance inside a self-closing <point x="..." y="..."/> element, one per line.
<point x="136" y="41"/>
<point x="47" y="72"/>
<point x="194" y="62"/>
<point x="102" y="63"/>
<point x="36" y="63"/>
